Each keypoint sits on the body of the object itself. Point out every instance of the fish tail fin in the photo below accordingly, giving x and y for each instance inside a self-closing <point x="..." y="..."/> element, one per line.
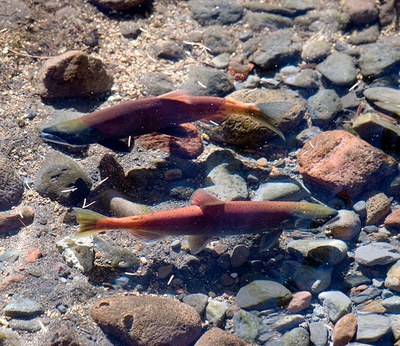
<point x="268" y="121"/>
<point x="89" y="222"/>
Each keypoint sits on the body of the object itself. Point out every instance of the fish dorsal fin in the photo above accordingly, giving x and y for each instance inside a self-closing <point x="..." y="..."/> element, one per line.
<point x="205" y="199"/>
<point x="197" y="243"/>
<point x="179" y="95"/>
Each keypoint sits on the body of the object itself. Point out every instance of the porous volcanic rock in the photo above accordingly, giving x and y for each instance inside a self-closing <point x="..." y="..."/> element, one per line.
<point x="218" y="337"/>
<point x="148" y="320"/>
<point x="343" y="164"/>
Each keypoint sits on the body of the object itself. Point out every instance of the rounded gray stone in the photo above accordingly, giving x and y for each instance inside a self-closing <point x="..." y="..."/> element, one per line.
<point x="392" y="304"/>
<point x="280" y="191"/>
<point x="306" y="277"/>
<point x="378" y="253"/>
<point x="372" y="327"/>
<point x="197" y="301"/>
<point x="208" y="12"/>
<point x="263" y="294"/>
<point x="345" y="226"/>
<point x="314" y="51"/>
<point x="23" y="307"/>
<point x="297" y="337"/>
<point x="206" y="81"/>
<point x="61" y="179"/>
<point x="336" y="303"/>
<point x="322" y="251"/>
<point x="339" y="68"/>
<point x="323" y="106"/>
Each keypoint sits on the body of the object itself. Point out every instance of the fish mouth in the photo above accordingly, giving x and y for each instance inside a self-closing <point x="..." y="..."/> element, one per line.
<point x="52" y="138"/>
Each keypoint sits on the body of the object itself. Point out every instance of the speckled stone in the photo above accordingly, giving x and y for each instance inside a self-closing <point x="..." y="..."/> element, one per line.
<point x="148" y="320"/>
<point x="378" y="207"/>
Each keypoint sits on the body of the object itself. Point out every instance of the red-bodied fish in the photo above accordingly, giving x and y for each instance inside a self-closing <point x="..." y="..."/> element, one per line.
<point x="138" y="117"/>
<point x="207" y="217"/>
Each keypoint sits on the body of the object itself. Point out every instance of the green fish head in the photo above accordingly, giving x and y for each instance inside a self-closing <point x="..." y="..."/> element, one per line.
<point x="312" y="211"/>
<point x="70" y="133"/>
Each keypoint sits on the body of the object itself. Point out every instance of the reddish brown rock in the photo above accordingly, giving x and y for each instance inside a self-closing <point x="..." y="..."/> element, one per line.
<point x="300" y="301"/>
<point x="16" y="218"/>
<point x="378" y="207"/>
<point x="344" y="330"/>
<point x="10" y="279"/>
<point x="218" y="337"/>
<point x="32" y="255"/>
<point x="183" y="141"/>
<point x="343" y="163"/>
<point x="393" y="220"/>
<point x="148" y="320"/>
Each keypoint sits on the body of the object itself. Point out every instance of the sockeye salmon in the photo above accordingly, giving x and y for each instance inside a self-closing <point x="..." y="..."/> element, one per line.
<point x="207" y="217"/>
<point x="137" y="117"/>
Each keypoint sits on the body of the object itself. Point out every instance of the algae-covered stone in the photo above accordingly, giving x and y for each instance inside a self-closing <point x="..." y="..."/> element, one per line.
<point x="263" y="294"/>
<point x="286" y="109"/>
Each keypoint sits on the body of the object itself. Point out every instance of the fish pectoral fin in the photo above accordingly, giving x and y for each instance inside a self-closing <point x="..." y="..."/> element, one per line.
<point x="197" y="243"/>
<point x="180" y="95"/>
<point x="115" y="145"/>
<point x="204" y="199"/>
<point x="146" y="236"/>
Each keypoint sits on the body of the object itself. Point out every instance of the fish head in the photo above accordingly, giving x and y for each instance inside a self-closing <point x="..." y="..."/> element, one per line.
<point x="313" y="211"/>
<point x="71" y="133"/>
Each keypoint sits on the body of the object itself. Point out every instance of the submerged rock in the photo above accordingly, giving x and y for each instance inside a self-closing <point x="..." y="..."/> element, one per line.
<point x="218" y="337"/>
<point x="378" y="253"/>
<point x="344" y="330"/>
<point x="305" y="277"/>
<point x="78" y="253"/>
<point x="379" y="131"/>
<point x="345" y="226"/>
<point x="223" y="12"/>
<point x="314" y="51"/>
<point x="339" y="68"/>
<point x="285" y="109"/>
<point x="206" y="81"/>
<point x="378" y="207"/>
<point x="321" y="251"/>
<point x="277" y="49"/>
<point x="61" y="179"/>
<point x="11" y="186"/>
<point x="323" y="106"/>
<point x="344" y="164"/>
<point x="117" y="5"/>
<point x="148" y="320"/>
<point x="263" y="294"/>
<point x="378" y="58"/>
<point x="73" y="74"/>
<point x="23" y="307"/>
<point x="384" y="98"/>
<point x="16" y="218"/>
<point x="372" y="327"/>
<point x="336" y="303"/>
